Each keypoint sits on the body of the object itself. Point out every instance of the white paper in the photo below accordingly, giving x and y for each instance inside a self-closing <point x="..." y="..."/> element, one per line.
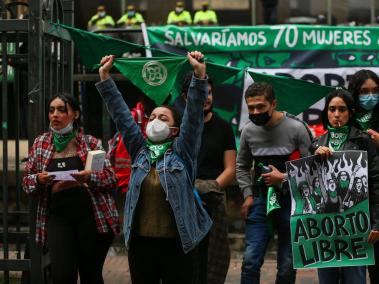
<point x="63" y="175"/>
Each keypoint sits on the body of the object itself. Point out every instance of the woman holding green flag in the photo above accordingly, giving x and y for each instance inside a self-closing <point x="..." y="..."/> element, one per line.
<point x="163" y="221"/>
<point x="364" y="85"/>
<point x="338" y="119"/>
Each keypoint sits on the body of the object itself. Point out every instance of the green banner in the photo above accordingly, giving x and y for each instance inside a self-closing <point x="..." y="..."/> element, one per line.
<point x="330" y="219"/>
<point x="259" y="38"/>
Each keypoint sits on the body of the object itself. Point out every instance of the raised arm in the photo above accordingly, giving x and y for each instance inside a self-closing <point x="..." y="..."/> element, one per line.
<point x="188" y="142"/>
<point x="118" y="110"/>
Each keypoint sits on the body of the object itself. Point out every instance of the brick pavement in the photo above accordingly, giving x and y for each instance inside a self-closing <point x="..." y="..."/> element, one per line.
<point x="116" y="271"/>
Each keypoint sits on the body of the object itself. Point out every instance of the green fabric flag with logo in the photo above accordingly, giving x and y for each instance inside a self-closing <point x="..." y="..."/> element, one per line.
<point x="293" y="95"/>
<point x="154" y="76"/>
<point x="158" y="77"/>
<point x="92" y="47"/>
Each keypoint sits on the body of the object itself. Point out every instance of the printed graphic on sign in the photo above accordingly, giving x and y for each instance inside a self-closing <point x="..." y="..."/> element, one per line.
<point x="330" y="219"/>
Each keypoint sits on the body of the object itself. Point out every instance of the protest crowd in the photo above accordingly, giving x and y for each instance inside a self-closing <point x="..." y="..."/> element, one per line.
<point x="313" y="190"/>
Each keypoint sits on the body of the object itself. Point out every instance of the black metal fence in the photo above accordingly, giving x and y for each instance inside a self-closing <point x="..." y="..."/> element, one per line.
<point x="36" y="62"/>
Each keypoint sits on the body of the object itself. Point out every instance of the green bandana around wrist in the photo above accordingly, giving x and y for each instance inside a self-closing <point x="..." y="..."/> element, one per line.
<point x="364" y="119"/>
<point x="61" y="141"/>
<point x="338" y="136"/>
<point x="157" y="150"/>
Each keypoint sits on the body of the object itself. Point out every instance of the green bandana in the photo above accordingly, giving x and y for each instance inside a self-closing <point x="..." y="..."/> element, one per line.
<point x="157" y="150"/>
<point x="272" y="200"/>
<point x="364" y="119"/>
<point x="332" y="194"/>
<point x="338" y="136"/>
<point x="344" y="184"/>
<point x="61" y="141"/>
<point x="318" y="191"/>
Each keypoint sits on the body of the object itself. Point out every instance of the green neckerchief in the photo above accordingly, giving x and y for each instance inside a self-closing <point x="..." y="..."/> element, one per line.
<point x="338" y="136"/>
<point x="364" y="119"/>
<point x="344" y="184"/>
<point x="157" y="150"/>
<point x="332" y="194"/>
<point x="317" y="190"/>
<point x="272" y="200"/>
<point x="61" y="141"/>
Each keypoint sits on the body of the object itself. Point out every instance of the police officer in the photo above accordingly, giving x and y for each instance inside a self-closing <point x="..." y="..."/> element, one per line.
<point x="101" y="20"/>
<point x="205" y="16"/>
<point x="179" y="16"/>
<point x="131" y="18"/>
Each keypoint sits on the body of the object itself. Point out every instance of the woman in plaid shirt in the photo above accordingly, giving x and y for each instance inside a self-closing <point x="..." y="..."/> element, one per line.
<point x="77" y="218"/>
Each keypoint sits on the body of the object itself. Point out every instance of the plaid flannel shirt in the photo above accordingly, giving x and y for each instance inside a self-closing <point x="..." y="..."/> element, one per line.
<point x="99" y="188"/>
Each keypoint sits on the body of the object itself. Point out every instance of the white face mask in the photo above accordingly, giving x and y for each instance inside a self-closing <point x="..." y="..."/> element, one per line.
<point x="102" y="14"/>
<point x="69" y="128"/>
<point x="157" y="130"/>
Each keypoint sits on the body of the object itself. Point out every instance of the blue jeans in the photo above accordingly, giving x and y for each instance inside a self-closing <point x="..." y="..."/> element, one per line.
<point x="257" y="238"/>
<point x="349" y="275"/>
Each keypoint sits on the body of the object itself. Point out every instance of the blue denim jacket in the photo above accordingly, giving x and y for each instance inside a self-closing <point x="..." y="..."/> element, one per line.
<point x="177" y="169"/>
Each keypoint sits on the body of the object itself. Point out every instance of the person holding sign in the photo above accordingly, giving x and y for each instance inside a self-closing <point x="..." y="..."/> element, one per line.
<point x="164" y="220"/>
<point x="364" y="86"/>
<point x="76" y="215"/>
<point x="269" y="139"/>
<point x="338" y="119"/>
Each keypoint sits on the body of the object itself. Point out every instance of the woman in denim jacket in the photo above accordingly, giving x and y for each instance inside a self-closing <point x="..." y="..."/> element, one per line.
<point x="163" y="219"/>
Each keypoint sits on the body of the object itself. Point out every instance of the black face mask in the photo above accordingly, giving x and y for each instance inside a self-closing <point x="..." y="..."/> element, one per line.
<point x="260" y="119"/>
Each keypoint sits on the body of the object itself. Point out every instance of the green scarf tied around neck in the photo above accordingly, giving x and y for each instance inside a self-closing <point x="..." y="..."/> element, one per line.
<point x="344" y="184"/>
<point x="157" y="150"/>
<point x="338" y="136"/>
<point x="332" y="194"/>
<point x="61" y="141"/>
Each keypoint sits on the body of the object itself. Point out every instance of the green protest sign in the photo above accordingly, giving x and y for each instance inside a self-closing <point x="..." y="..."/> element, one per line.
<point x="326" y="55"/>
<point x="330" y="219"/>
<point x="278" y="37"/>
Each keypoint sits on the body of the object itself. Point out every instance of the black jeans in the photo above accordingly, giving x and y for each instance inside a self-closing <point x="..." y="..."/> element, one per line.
<point x="74" y="243"/>
<point x="155" y="259"/>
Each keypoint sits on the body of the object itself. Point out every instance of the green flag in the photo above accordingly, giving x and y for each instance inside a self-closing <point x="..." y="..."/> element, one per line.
<point x="92" y="47"/>
<point x="293" y="95"/>
<point x="219" y="73"/>
<point x="158" y="77"/>
<point x="154" y="76"/>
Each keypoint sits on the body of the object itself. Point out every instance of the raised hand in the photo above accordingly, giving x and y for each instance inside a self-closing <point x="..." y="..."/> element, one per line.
<point x="194" y="58"/>
<point x="106" y="65"/>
